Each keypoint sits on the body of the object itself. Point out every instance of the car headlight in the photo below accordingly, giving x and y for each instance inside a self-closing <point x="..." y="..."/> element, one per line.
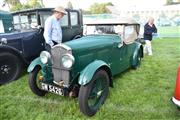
<point x="67" y="60"/>
<point x="45" y="56"/>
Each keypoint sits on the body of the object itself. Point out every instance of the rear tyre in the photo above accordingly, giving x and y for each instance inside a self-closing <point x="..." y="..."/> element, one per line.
<point x="138" y="60"/>
<point x="10" y="67"/>
<point x="94" y="94"/>
<point x="34" y="82"/>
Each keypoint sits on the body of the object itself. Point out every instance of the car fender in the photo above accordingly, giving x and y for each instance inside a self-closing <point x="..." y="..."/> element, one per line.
<point x="35" y="63"/>
<point x="5" y="48"/>
<point x="137" y="48"/>
<point x="87" y="73"/>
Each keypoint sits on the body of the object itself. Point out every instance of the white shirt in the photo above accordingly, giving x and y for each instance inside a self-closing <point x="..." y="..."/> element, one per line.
<point x="52" y="30"/>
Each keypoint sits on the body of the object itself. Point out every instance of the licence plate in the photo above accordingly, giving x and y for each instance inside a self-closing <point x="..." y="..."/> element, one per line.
<point x="52" y="89"/>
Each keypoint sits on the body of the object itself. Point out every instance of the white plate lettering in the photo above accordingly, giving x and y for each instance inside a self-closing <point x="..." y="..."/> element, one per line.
<point x="52" y="89"/>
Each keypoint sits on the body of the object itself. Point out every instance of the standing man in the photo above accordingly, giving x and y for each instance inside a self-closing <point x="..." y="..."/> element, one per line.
<point x="52" y="29"/>
<point x="149" y="30"/>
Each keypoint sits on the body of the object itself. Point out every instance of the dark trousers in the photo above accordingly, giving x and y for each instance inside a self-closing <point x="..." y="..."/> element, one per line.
<point x="48" y="47"/>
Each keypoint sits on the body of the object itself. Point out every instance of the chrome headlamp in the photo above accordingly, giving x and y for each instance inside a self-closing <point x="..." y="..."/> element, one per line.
<point x="67" y="61"/>
<point x="45" y="56"/>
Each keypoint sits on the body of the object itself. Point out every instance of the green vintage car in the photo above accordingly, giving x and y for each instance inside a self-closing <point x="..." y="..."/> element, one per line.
<point x="84" y="67"/>
<point x="6" y="20"/>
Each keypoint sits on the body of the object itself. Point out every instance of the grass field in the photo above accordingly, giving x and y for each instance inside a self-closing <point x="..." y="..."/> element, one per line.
<point x="169" y="31"/>
<point x="137" y="94"/>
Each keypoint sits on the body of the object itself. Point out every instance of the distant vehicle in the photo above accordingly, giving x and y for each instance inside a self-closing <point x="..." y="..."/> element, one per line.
<point x="164" y="22"/>
<point x="84" y="67"/>
<point x="26" y="41"/>
<point x="176" y="20"/>
<point x="6" y="20"/>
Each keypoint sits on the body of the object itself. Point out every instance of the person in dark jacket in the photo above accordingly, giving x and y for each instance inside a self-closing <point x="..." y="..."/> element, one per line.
<point x="149" y="30"/>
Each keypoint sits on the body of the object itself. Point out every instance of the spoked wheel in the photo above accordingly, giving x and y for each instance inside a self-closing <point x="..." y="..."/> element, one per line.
<point x="10" y="67"/>
<point x="94" y="94"/>
<point x="34" y="81"/>
<point x="138" y="60"/>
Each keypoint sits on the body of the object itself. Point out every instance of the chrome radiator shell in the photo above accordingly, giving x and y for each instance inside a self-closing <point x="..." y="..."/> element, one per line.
<point x="59" y="72"/>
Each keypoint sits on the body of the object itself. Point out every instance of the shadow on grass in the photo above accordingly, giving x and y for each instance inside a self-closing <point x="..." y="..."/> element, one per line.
<point x="120" y="75"/>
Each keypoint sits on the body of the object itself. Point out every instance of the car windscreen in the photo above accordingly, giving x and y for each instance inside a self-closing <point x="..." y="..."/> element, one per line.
<point x="44" y="16"/>
<point x="103" y="29"/>
<point x="25" y="21"/>
<point x="128" y="33"/>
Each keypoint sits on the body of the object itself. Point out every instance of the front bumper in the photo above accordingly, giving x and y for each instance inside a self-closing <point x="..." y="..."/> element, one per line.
<point x="176" y="102"/>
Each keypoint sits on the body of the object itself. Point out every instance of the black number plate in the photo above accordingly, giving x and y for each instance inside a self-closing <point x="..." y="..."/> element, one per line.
<point x="52" y="89"/>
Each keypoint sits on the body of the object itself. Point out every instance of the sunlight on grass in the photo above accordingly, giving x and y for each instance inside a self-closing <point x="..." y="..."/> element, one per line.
<point x="137" y="94"/>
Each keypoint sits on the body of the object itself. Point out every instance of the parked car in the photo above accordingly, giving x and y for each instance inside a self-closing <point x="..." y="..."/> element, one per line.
<point x="84" y="67"/>
<point x="176" y="20"/>
<point x="6" y="20"/>
<point x="164" y="22"/>
<point x="25" y="43"/>
<point x="176" y="97"/>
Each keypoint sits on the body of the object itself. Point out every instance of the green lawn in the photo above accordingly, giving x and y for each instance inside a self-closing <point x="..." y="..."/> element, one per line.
<point x="137" y="94"/>
<point x="171" y="31"/>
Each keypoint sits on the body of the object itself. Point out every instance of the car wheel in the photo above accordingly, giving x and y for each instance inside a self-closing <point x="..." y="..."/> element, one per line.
<point x="138" y="60"/>
<point x="34" y="81"/>
<point x="10" y="67"/>
<point x="94" y="94"/>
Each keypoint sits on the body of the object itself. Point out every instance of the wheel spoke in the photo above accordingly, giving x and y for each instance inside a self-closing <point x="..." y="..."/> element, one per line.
<point x="39" y="78"/>
<point x="7" y="70"/>
<point x="96" y="93"/>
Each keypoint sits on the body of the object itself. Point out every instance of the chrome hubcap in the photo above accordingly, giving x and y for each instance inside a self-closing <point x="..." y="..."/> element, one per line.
<point x="99" y="93"/>
<point x="5" y="69"/>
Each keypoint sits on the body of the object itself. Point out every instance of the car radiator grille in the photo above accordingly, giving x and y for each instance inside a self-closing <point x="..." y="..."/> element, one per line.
<point x="59" y="72"/>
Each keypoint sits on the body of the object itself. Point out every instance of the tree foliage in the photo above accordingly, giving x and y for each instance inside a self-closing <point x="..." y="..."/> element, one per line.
<point x="69" y="5"/>
<point x="15" y="5"/>
<point x="171" y="2"/>
<point x="100" y="8"/>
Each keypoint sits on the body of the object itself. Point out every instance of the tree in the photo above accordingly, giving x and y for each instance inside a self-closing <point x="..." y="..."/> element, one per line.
<point x="86" y="12"/>
<point x="99" y="8"/>
<point x="34" y="4"/>
<point x="171" y="2"/>
<point x="69" y="5"/>
<point x="15" y="5"/>
<point x="168" y="2"/>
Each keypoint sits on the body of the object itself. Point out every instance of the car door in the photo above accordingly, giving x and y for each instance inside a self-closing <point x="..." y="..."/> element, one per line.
<point x="124" y="48"/>
<point x="71" y="26"/>
<point x="1" y="27"/>
<point x="130" y="35"/>
<point x="65" y="25"/>
<point x="119" y="56"/>
<point x="76" y="28"/>
<point x="33" y="40"/>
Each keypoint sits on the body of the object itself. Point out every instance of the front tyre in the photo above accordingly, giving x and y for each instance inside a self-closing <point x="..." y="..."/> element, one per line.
<point x="94" y="94"/>
<point x="10" y="67"/>
<point x="34" y="81"/>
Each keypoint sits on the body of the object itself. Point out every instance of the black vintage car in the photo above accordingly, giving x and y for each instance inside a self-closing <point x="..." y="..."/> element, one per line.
<point x="26" y="41"/>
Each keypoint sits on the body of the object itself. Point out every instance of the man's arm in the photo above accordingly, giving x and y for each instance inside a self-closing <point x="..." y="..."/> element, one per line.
<point x="48" y="32"/>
